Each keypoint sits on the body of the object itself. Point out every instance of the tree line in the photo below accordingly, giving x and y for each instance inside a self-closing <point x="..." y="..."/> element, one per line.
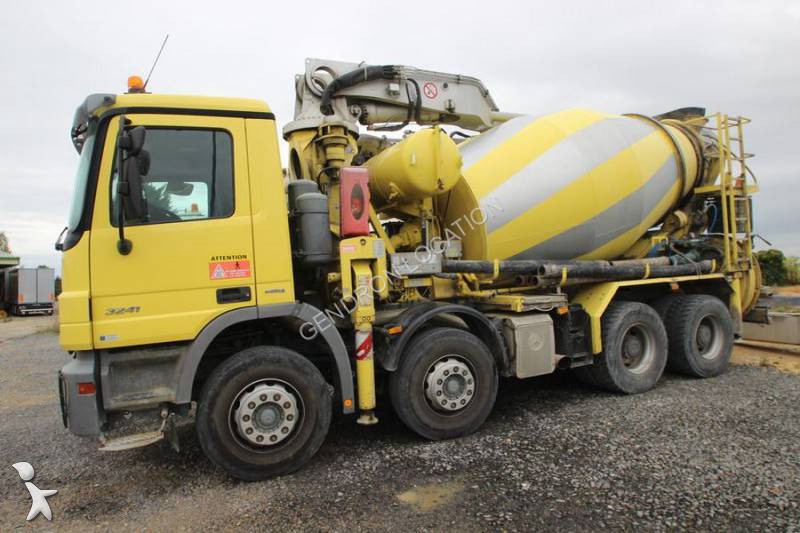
<point x="778" y="269"/>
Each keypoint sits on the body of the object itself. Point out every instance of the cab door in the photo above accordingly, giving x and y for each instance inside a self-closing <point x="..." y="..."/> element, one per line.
<point x="192" y="255"/>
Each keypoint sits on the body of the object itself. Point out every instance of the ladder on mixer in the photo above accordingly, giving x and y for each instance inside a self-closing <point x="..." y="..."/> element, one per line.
<point x="735" y="186"/>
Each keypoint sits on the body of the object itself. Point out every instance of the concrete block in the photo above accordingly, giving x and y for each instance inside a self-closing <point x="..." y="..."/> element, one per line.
<point x="783" y="327"/>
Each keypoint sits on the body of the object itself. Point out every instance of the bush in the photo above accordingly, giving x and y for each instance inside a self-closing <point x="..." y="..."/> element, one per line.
<point x="792" y="267"/>
<point x="773" y="267"/>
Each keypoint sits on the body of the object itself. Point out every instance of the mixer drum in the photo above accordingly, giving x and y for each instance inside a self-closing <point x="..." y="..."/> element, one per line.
<point x="574" y="184"/>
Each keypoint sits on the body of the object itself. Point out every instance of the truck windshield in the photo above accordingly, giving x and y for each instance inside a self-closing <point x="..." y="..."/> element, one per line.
<point x="82" y="178"/>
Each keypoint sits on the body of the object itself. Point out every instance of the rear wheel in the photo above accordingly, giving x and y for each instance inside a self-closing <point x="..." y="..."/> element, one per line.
<point x="634" y="350"/>
<point x="700" y="331"/>
<point x="264" y="412"/>
<point x="445" y="385"/>
<point x="664" y="304"/>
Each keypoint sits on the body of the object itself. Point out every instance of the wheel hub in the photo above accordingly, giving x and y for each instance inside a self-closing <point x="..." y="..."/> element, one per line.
<point x="267" y="417"/>
<point x="709" y="338"/>
<point x="266" y="414"/>
<point x="704" y="335"/>
<point x="638" y="349"/>
<point x="450" y="384"/>
<point x="633" y="346"/>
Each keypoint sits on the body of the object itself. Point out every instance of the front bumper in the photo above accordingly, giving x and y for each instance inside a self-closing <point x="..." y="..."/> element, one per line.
<point x="110" y="394"/>
<point x="81" y="413"/>
<point x="34" y="308"/>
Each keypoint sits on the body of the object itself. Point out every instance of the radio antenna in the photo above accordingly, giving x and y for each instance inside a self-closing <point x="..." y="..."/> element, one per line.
<point x="155" y="63"/>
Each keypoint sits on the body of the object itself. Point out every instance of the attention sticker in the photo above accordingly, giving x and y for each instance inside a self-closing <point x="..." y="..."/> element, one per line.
<point x="228" y="269"/>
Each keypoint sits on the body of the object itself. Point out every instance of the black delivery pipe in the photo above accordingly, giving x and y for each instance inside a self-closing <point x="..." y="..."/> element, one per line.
<point x="620" y="272"/>
<point x="537" y="266"/>
<point x="487" y="267"/>
<point x="585" y="270"/>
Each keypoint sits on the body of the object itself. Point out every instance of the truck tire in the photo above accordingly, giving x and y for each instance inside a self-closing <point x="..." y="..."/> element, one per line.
<point x="663" y="305"/>
<point x="700" y="331"/>
<point x="264" y="412"/>
<point x="445" y="385"/>
<point x="634" y="350"/>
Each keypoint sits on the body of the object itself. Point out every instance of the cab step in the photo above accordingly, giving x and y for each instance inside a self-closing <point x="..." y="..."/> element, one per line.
<point x="576" y="360"/>
<point x="129" y="442"/>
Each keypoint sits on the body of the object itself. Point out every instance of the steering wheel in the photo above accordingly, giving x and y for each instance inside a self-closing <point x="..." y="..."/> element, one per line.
<point x="159" y="214"/>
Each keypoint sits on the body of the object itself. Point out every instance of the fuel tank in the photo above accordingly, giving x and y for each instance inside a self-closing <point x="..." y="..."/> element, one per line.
<point x="573" y="184"/>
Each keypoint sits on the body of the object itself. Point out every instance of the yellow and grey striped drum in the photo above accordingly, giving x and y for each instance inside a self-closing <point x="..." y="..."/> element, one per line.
<point x="574" y="184"/>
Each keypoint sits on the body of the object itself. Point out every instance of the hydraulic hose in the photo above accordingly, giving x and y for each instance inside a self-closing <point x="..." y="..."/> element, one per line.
<point x="354" y="77"/>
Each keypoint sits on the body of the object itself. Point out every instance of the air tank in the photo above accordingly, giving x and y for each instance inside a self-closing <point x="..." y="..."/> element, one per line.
<point x="573" y="184"/>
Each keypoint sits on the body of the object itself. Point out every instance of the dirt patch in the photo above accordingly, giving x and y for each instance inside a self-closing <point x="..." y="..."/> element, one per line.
<point x="429" y="497"/>
<point x="753" y="356"/>
<point x="793" y="290"/>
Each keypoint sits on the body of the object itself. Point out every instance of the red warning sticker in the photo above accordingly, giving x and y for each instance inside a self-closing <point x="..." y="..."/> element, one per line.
<point x="364" y="350"/>
<point x="228" y="269"/>
<point x="430" y="90"/>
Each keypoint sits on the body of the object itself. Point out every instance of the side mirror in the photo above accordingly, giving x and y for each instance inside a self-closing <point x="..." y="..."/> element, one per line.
<point x="132" y="141"/>
<point x="133" y="162"/>
<point x="136" y="163"/>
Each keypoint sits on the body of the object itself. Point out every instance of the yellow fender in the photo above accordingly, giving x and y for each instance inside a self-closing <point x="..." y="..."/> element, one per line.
<point x="595" y="299"/>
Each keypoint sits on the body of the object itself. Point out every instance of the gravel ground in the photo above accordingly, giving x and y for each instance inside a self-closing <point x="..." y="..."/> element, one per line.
<point x="22" y="326"/>
<point x="720" y="454"/>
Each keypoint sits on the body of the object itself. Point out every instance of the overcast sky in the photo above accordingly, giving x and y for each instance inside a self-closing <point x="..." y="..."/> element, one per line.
<point x="535" y="57"/>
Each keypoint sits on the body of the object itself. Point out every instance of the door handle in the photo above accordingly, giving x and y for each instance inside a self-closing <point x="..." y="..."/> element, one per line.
<point x="233" y="294"/>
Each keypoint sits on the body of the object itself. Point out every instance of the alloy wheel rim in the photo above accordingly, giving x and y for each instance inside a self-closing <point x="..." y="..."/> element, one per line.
<point x="449" y="384"/>
<point x="266" y="414"/>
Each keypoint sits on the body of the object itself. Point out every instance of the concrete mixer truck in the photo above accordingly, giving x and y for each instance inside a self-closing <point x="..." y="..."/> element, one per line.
<point x="201" y="279"/>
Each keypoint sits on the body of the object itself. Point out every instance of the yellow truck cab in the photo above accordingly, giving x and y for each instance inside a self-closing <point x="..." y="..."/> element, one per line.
<point x="210" y="258"/>
<point x="214" y="163"/>
<point x="201" y="278"/>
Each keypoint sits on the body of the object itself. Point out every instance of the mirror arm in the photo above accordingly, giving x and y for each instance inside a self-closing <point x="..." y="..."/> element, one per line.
<point x="60" y="241"/>
<point x="124" y="246"/>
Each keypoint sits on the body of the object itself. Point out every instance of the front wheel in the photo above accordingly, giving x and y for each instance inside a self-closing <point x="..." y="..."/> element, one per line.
<point x="262" y="413"/>
<point x="445" y="385"/>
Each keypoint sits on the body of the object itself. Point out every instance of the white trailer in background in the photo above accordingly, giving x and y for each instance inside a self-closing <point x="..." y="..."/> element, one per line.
<point x="28" y="290"/>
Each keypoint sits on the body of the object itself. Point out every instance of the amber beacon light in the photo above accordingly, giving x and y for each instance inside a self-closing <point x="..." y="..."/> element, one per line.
<point x="135" y="84"/>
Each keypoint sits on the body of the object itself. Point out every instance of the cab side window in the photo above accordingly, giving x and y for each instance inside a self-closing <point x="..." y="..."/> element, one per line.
<point x="190" y="177"/>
